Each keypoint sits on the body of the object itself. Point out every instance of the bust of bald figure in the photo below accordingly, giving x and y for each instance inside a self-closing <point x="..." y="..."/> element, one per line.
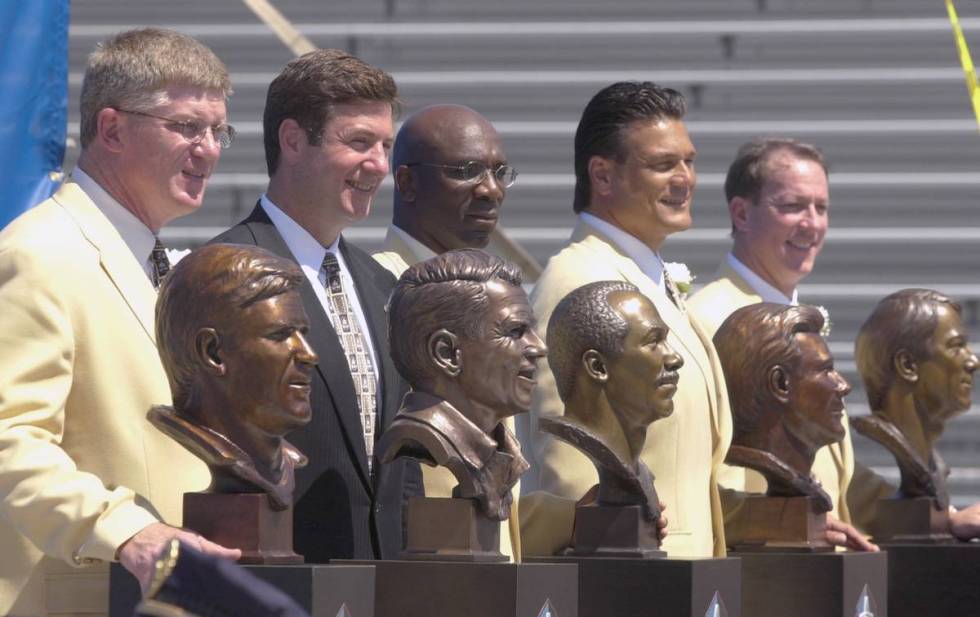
<point x="616" y="375"/>
<point x="787" y="399"/>
<point x="462" y="335"/>
<point x="917" y="368"/>
<point x="438" y="200"/>
<point x="231" y="334"/>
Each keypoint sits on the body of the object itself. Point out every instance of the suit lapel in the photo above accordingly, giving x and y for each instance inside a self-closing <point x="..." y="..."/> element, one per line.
<point x="323" y="337"/>
<point x="118" y="262"/>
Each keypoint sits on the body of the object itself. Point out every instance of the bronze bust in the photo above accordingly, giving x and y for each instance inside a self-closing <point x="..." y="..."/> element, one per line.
<point x="787" y="399"/>
<point x="231" y="328"/>
<point x="462" y="335"/>
<point x="917" y="368"/>
<point x="616" y="375"/>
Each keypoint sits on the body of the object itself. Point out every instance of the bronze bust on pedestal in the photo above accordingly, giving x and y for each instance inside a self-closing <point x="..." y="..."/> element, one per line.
<point x="231" y="328"/>
<point x="462" y="334"/>
<point x="917" y="368"/>
<point x="616" y="375"/>
<point x="787" y="403"/>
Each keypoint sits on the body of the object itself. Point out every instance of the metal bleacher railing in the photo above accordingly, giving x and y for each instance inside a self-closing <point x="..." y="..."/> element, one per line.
<point x="875" y="83"/>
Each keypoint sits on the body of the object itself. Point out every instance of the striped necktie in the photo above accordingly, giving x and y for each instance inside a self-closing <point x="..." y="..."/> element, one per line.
<point x="160" y="263"/>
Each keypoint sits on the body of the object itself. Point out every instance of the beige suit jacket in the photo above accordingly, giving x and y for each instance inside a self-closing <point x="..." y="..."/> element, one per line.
<point x="81" y="468"/>
<point x="833" y="465"/>
<point x="396" y="256"/>
<point x="684" y="451"/>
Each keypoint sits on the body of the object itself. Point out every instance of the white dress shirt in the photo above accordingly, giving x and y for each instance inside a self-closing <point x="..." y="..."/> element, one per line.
<point x="135" y="234"/>
<point x="647" y="259"/>
<point x="310" y="253"/>
<point x="767" y="292"/>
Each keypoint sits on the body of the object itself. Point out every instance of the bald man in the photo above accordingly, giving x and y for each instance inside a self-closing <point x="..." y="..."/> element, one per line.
<point x="451" y="176"/>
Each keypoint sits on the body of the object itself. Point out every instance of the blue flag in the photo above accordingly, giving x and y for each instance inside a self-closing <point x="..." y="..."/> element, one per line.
<point x="34" y="103"/>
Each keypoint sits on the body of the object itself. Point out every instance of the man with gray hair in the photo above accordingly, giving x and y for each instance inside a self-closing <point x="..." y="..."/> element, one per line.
<point x="85" y="478"/>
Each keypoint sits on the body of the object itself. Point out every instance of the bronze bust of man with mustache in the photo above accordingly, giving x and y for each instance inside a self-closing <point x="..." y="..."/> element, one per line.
<point x="917" y="367"/>
<point x="787" y="400"/>
<point x="616" y="375"/>
<point x="231" y="331"/>
<point x="462" y="334"/>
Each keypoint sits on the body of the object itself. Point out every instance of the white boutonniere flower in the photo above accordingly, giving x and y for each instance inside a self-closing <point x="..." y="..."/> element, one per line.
<point x="175" y="255"/>
<point x="681" y="275"/>
<point x="827" y="324"/>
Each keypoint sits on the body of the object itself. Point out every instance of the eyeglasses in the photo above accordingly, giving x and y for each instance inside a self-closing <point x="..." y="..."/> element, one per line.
<point x="192" y="130"/>
<point x="476" y="172"/>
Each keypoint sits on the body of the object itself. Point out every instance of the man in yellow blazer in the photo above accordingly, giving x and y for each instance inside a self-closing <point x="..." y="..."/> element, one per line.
<point x="634" y="167"/>
<point x="778" y="199"/>
<point x="451" y="177"/>
<point x="85" y="479"/>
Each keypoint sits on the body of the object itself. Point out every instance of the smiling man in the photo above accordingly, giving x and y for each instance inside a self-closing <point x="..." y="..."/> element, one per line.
<point x="85" y="479"/>
<point x="451" y="177"/>
<point x="779" y="203"/>
<point x="328" y="133"/>
<point x="635" y="178"/>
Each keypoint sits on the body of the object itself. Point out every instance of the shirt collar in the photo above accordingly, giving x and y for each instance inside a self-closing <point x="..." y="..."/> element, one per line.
<point x="647" y="260"/>
<point x="305" y="248"/>
<point x="420" y="250"/>
<point x="134" y="233"/>
<point x="767" y="292"/>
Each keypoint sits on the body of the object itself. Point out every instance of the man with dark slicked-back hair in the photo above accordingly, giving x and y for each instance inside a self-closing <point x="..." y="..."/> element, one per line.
<point x="634" y="182"/>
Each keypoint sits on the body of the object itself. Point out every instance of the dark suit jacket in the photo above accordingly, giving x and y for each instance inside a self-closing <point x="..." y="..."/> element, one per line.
<point x="340" y="511"/>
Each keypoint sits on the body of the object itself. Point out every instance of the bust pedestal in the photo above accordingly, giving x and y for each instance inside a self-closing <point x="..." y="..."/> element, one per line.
<point x="909" y="521"/>
<point x="449" y="529"/>
<point x="245" y="521"/>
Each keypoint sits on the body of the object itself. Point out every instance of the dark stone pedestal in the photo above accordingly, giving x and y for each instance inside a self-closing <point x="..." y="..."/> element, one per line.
<point x="610" y="587"/>
<point x="443" y="589"/>
<point x="814" y="585"/>
<point x="938" y="580"/>
<point x="245" y="521"/>
<point x="449" y="529"/>
<point x="322" y="590"/>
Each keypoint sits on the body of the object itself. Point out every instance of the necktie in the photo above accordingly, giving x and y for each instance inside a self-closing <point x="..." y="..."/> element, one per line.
<point x="673" y="294"/>
<point x="359" y="359"/>
<point x="160" y="262"/>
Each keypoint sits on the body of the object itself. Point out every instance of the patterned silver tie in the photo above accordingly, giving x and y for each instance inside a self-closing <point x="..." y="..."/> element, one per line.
<point x="359" y="359"/>
<point x="160" y="263"/>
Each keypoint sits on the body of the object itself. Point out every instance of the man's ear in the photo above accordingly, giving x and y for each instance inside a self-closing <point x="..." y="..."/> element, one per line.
<point x="107" y="129"/>
<point x="777" y="381"/>
<point x="405" y="183"/>
<point x="595" y="366"/>
<point x="292" y="139"/>
<point x="906" y="368"/>
<point x="738" y="209"/>
<point x="601" y="172"/>
<point x="444" y="352"/>
<point x="207" y="344"/>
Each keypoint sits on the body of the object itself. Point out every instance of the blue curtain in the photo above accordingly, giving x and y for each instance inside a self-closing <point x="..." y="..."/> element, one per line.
<point x="33" y="101"/>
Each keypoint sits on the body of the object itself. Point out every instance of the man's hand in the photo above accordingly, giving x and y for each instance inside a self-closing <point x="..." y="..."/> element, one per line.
<point x="965" y="524"/>
<point x="841" y="534"/>
<point x="662" y="523"/>
<point x="139" y="553"/>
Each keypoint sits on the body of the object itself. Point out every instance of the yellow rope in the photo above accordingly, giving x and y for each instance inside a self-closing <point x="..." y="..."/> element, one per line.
<point x="971" y="74"/>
